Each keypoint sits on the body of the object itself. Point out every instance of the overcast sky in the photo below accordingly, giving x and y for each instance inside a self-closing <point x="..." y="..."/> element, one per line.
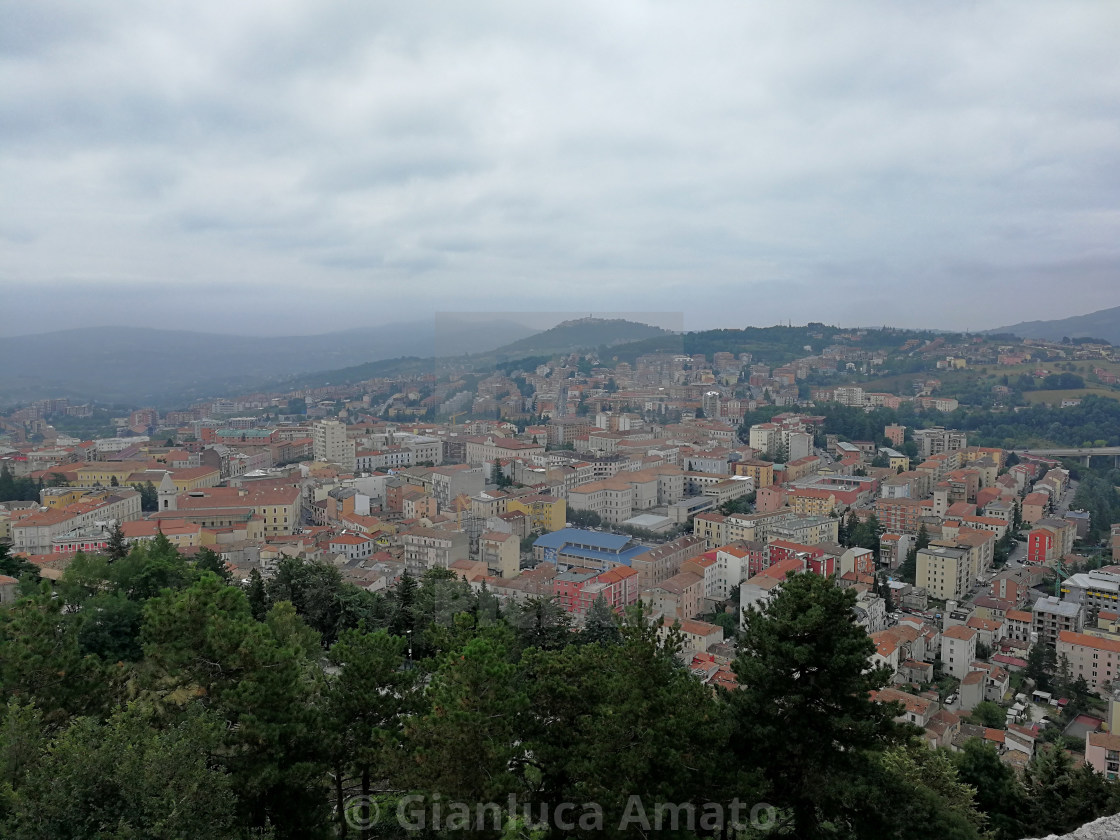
<point x="275" y="167"/>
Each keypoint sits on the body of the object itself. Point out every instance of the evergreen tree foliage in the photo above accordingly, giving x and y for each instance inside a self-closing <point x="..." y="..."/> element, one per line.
<point x="804" y="715"/>
<point x="1059" y="797"/>
<point x="150" y="696"/>
<point x="208" y="560"/>
<point x="541" y="623"/>
<point x="256" y="595"/>
<point x="14" y="566"/>
<point x="117" y="546"/>
<point x="124" y="779"/>
<point x="600" y="625"/>
<point x="366" y="706"/>
<point x="999" y="795"/>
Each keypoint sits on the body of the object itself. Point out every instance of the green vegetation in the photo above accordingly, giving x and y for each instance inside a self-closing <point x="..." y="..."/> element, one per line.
<point x="18" y="488"/>
<point x="98" y="424"/>
<point x="989" y="714"/>
<point x="777" y="344"/>
<point x="1097" y="494"/>
<point x="584" y="518"/>
<point x="1095" y="422"/>
<point x="154" y="698"/>
<point x="744" y="504"/>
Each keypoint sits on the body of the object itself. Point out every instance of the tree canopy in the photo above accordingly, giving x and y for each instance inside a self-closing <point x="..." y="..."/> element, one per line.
<point x="156" y="697"/>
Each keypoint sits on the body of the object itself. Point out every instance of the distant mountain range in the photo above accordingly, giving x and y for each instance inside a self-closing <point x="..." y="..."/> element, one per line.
<point x="138" y="366"/>
<point x="567" y="337"/>
<point x="580" y="334"/>
<point x="1104" y="323"/>
<point x="165" y="368"/>
<point x="143" y="366"/>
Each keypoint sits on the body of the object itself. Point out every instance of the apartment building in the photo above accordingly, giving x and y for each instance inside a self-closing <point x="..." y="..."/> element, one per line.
<point x="660" y="563"/>
<point x="390" y="458"/>
<point x="980" y="546"/>
<point x="710" y="527"/>
<point x="807" y="530"/>
<point x="936" y="440"/>
<point x="1102" y="753"/>
<point x="1050" y="539"/>
<point x="679" y="597"/>
<point x="1094" y="658"/>
<point x="500" y="552"/>
<point x="1051" y="617"/>
<point x="487" y="449"/>
<point x="577" y="589"/>
<point x="617" y="499"/>
<point x="451" y="481"/>
<point x="1097" y="588"/>
<point x="901" y="515"/>
<point x="429" y="548"/>
<point x="330" y="444"/>
<point x="611" y="500"/>
<point x="958" y="650"/>
<point x="944" y="572"/>
<point x="754" y="527"/>
<point x="546" y="513"/>
<point x="1018" y="624"/>
<point x="761" y="471"/>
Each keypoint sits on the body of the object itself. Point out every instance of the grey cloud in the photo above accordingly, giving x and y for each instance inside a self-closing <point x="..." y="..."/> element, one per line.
<point x="870" y="163"/>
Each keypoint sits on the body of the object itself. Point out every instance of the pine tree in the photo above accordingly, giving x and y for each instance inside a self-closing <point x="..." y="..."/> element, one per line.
<point x="258" y="677"/>
<point x="258" y="598"/>
<point x="923" y="538"/>
<point x="117" y="546"/>
<point x="852" y="528"/>
<point x="404" y="596"/>
<point x="610" y="721"/>
<point x="43" y="663"/>
<point x="998" y="792"/>
<point x="872" y="531"/>
<point x="127" y="777"/>
<point x="1060" y="798"/>
<point x="208" y="560"/>
<point x="467" y="747"/>
<point x="883" y="589"/>
<point x="803" y="714"/>
<point x="1041" y="662"/>
<point x="601" y="625"/>
<point x="365" y="708"/>
<point x="7" y="484"/>
<point x="149" y="497"/>
<point x="540" y="622"/>
<point x="14" y="566"/>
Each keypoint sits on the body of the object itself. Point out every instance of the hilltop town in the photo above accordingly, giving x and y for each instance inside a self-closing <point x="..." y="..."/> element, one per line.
<point x="984" y="565"/>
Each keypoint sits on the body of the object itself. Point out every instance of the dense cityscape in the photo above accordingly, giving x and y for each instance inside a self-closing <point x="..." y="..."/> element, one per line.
<point x="525" y="421"/>
<point x="932" y="514"/>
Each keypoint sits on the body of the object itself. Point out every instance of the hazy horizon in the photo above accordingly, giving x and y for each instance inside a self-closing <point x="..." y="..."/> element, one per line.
<point x="293" y="168"/>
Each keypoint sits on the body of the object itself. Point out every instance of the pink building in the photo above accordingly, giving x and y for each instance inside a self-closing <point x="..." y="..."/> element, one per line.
<point x="1102" y="753"/>
<point x="769" y="499"/>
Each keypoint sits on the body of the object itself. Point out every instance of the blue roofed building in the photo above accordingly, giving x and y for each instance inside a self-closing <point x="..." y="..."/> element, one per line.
<point x="587" y="549"/>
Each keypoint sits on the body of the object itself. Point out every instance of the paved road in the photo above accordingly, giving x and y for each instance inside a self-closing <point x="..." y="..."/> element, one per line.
<point x="1067" y="497"/>
<point x="1071" y="452"/>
